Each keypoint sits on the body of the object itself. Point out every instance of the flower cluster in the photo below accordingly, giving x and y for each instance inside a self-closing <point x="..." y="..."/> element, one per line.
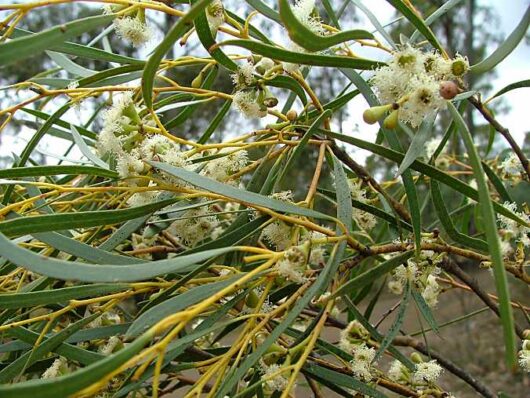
<point x="134" y="30"/>
<point x="364" y="220"/>
<point x="524" y="355"/>
<point x="427" y="372"/>
<point x="58" y="368"/>
<point x="514" y="230"/>
<point x="194" y="225"/>
<point x="421" y="274"/>
<point x="222" y="168"/>
<point x="276" y="381"/>
<point x="413" y="85"/>
<point x="511" y="165"/>
<point x="293" y="264"/>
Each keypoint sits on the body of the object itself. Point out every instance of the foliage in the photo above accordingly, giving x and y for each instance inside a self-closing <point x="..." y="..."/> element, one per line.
<point x="179" y="247"/>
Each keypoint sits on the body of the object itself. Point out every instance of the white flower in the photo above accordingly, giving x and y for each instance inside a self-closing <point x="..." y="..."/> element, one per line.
<point x="244" y="75"/>
<point x="302" y="10"/>
<point x="398" y="372"/>
<point x="264" y="65"/>
<point x="111" y="346"/>
<point x="277" y="234"/>
<point x="292" y="265"/>
<point x="511" y="165"/>
<point x="58" y="367"/>
<point x="427" y="372"/>
<point x="129" y="164"/>
<point x="221" y="168"/>
<point x="142" y="198"/>
<point x="73" y="85"/>
<point x="412" y="80"/>
<point x="245" y="102"/>
<point x="401" y="275"/>
<point x="133" y="30"/>
<point x="431" y="146"/>
<point x="362" y="360"/>
<point x="194" y="226"/>
<point x="431" y="291"/>
<point x="524" y="356"/>
<point x="518" y="232"/>
<point x="423" y="101"/>
<point x="277" y="382"/>
<point x="354" y="333"/>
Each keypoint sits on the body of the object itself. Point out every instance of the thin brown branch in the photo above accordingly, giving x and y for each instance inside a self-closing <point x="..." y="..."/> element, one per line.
<point x="451" y="267"/>
<point x="477" y="103"/>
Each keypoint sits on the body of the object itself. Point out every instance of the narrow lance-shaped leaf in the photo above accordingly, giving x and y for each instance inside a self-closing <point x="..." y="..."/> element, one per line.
<point x="305" y="37"/>
<point x="71" y="270"/>
<point x="181" y="27"/>
<point x="490" y="226"/>
<point x="24" y="47"/>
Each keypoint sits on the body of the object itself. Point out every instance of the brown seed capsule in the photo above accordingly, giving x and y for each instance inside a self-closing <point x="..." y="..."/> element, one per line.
<point x="448" y="90"/>
<point x="291" y="115"/>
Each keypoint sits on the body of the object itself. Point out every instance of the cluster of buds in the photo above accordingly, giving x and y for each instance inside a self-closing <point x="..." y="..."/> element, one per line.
<point x="420" y="273"/>
<point x="413" y="85"/>
<point x="294" y="262"/>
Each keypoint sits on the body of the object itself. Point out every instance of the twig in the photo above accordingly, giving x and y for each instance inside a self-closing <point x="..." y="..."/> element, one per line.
<point x="504" y="132"/>
<point x="451" y="267"/>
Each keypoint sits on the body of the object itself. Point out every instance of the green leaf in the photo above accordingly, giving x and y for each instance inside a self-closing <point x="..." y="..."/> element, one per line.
<point x="264" y="10"/>
<point x="175" y="33"/>
<point x="443" y="9"/>
<point x="82" y="50"/>
<point x="490" y="227"/>
<point x="175" y="304"/>
<point x="510" y="87"/>
<point x="343" y="380"/>
<point x="396" y="325"/>
<point x="71" y="270"/>
<point x="447" y="222"/>
<point x="68" y="65"/>
<point x="82" y="219"/>
<point x="372" y="274"/>
<point x="38" y="171"/>
<point x="506" y="47"/>
<point x="24" y="47"/>
<point x="425" y="310"/>
<point x="417" y="146"/>
<point x="85" y="150"/>
<point x="202" y="27"/>
<point x="373" y="19"/>
<point x="215" y="122"/>
<point x="301" y="58"/>
<point x="236" y="374"/>
<point x="49" y="344"/>
<point x="305" y="37"/>
<point x="423" y="168"/>
<point x="245" y="197"/>
<point x="417" y="22"/>
<point x="43" y="297"/>
<point x="66" y="385"/>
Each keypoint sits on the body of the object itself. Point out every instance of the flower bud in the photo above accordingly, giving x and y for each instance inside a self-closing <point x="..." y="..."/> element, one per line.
<point x="391" y="120"/>
<point x="196" y="83"/>
<point x="459" y="67"/>
<point x="416" y="358"/>
<point x="448" y="90"/>
<point x="373" y="114"/>
<point x="291" y="115"/>
<point x="252" y="299"/>
<point x="270" y="102"/>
